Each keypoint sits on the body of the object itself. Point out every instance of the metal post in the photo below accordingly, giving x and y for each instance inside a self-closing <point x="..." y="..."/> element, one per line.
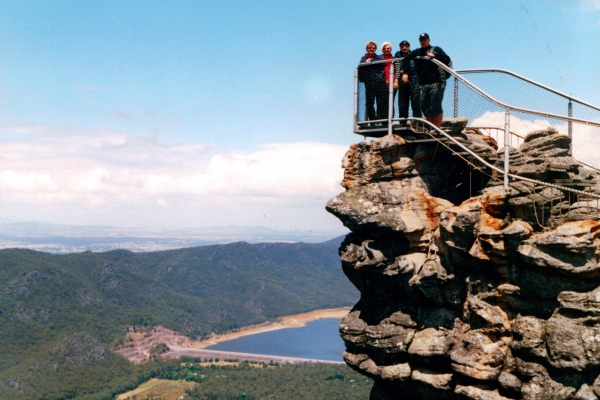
<point x="570" y="128"/>
<point x="356" y="130"/>
<point x="455" y="97"/>
<point x="506" y="146"/>
<point x="391" y="99"/>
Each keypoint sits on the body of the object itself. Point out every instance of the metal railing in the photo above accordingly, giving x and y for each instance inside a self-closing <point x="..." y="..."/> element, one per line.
<point x="495" y="82"/>
<point x="487" y="112"/>
<point x="441" y="134"/>
<point x="520" y="92"/>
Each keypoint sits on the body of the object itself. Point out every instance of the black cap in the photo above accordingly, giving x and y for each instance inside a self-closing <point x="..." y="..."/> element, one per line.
<point x="423" y="36"/>
<point x="405" y="42"/>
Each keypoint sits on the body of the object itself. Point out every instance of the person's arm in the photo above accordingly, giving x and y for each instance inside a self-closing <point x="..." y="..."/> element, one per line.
<point x="398" y="69"/>
<point x="361" y="69"/>
<point x="407" y="58"/>
<point x="440" y="55"/>
<point x="406" y="64"/>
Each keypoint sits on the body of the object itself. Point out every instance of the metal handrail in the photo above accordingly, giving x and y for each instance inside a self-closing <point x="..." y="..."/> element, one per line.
<point x="506" y="106"/>
<point x="490" y="98"/>
<point x="379" y="62"/>
<point x="481" y="160"/>
<point x="504" y="71"/>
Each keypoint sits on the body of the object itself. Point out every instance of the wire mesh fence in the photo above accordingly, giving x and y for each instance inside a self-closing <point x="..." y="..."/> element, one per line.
<point x="540" y="113"/>
<point x="581" y="121"/>
<point x="520" y="92"/>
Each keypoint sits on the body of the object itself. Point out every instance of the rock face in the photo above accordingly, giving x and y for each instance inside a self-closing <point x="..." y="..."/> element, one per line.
<point x="470" y="291"/>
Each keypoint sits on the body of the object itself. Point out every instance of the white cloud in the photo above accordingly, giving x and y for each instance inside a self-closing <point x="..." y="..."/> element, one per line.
<point x="586" y="138"/>
<point x="99" y="174"/>
<point x="590" y="6"/>
<point x="593" y="3"/>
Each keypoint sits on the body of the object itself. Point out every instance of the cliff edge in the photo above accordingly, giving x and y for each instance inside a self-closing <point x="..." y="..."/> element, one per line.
<point x="468" y="290"/>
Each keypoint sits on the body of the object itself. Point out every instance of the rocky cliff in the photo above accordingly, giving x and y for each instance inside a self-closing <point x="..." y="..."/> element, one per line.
<point x="470" y="291"/>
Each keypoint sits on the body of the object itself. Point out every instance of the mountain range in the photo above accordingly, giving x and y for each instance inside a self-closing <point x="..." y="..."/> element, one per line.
<point x="61" y="314"/>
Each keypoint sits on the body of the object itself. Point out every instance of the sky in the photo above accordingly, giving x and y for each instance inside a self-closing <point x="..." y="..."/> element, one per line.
<point x="178" y="114"/>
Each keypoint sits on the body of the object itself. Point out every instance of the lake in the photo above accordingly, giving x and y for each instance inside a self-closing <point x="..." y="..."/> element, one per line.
<point x="317" y="340"/>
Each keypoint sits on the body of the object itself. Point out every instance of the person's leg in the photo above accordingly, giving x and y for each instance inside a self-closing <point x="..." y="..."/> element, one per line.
<point x="383" y="99"/>
<point x="370" y="99"/>
<point x="426" y="102"/>
<point x="415" y="102"/>
<point x="403" y="99"/>
<point x="437" y="96"/>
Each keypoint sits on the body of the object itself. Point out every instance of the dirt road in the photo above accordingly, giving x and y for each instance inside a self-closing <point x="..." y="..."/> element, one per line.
<point x="176" y="352"/>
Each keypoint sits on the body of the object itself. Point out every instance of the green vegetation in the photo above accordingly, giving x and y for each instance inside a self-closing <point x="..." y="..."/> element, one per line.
<point x="299" y="381"/>
<point x="60" y="314"/>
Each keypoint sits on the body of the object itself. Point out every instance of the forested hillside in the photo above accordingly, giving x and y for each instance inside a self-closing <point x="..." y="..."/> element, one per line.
<point x="60" y="314"/>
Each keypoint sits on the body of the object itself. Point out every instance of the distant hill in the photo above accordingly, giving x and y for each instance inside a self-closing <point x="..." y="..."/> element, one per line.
<point x="59" y="314"/>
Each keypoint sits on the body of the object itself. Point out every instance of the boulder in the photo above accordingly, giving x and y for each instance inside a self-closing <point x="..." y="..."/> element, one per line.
<point x="493" y="317"/>
<point x="540" y="386"/>
<point x="353" y="330"/>
<point x="585" y="392"/>
<point x="529" y="336"/>
<point x="430" y="342"/>
<point x="436" y="284"/>
<point x="403" y="208"/>
<point x="479" y="355"/>
<point x="429" y="384"/>
<point x="475" y="393"/>
<point x="389" y="338"/>
<point x="454" y="126"/>
<point x="379" y="160"/>
<point x="573" y="343"/>
<point x="398" y="372"/>
<point x="570" y="249"/>
<point x="510" y="383"/>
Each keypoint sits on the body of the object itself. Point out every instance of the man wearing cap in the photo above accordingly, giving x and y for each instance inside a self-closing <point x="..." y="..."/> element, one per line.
<point x="407" y="92"/>
<point x="432" y="82"/>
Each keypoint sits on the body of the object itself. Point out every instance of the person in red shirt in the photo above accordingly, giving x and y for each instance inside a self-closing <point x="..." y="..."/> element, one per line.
<point x="386" y="48"/>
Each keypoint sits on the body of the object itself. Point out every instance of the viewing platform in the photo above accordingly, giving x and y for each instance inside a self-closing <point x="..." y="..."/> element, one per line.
<point x="493" y="117"/>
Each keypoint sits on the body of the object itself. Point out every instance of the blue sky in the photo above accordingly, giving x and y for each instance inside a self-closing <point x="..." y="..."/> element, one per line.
<point x="208" y="113"/>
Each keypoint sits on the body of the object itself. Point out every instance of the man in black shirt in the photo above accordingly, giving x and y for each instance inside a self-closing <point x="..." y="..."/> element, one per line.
<point x="408" y="92"/>
<point x="430" y="78"/>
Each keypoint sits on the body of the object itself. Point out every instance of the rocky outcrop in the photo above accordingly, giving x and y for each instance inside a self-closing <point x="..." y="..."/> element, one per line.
<point x="468" y="290"/>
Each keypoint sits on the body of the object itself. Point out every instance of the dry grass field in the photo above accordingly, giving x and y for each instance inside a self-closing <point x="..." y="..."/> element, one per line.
<point x="161" y="388"/>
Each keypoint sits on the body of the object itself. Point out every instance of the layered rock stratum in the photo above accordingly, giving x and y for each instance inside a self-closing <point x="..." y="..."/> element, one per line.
<point x="468" y="290"/>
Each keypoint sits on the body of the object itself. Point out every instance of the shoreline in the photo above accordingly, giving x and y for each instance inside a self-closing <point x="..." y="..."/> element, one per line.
<point x="288" y="321"/>
<point x="139" y="344"/>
